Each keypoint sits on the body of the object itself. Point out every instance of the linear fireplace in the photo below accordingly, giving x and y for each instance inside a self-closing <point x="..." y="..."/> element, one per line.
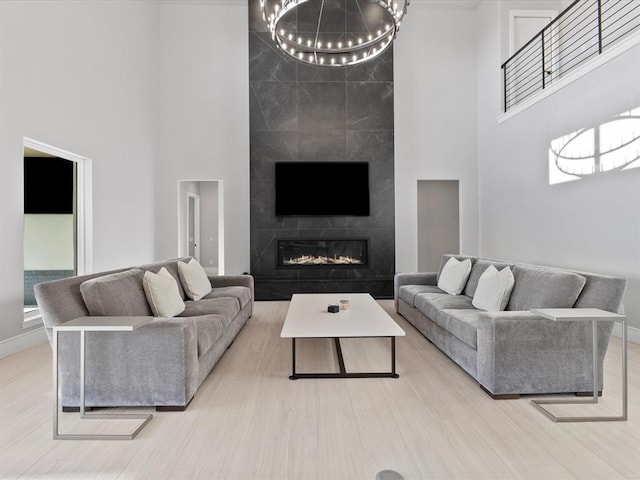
<point x="323" y="253"/>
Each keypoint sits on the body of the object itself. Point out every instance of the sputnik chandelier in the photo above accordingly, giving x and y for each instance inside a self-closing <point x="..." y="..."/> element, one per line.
<point x="376" y="25"/>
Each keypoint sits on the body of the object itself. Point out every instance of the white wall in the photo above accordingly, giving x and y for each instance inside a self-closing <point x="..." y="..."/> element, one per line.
<point x="203" y="111"/>
<point x="435" y="119"/>
<point x="79" y="76"/>
<point x="590" y="224"/>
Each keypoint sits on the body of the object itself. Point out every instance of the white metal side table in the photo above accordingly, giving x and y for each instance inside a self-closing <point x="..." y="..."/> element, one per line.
<point x="93" y="324"/>
<point x="593" y="315"/>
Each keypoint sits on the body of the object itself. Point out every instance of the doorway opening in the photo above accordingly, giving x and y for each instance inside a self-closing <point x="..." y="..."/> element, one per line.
<point x="438" y="222"/>
<point x="56" y="226"/>
<point x="201" y="223"/>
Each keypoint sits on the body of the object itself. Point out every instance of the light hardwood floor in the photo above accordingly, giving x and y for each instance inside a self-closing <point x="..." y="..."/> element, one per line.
<point x="249" y="421"/>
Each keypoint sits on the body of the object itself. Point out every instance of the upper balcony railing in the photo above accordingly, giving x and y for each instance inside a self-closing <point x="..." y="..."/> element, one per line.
<point x="582" y="31"/>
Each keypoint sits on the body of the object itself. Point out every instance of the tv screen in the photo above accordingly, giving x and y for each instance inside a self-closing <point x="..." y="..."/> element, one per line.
<point x="322" y="188"/>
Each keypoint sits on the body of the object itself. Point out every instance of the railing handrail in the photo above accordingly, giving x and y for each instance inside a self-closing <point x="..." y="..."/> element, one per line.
<point x="541" y="32"/>
<point x="582" y="31"/>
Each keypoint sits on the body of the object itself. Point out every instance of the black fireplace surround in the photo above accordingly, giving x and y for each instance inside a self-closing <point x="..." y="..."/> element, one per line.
<point x="309" y="114"/>
<point x="297" y="253"/>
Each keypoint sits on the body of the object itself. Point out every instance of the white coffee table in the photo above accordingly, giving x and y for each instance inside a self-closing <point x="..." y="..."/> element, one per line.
<point x="84" y="325"/>
<point x="593" y="315"/>
<point x="308" y="318"/>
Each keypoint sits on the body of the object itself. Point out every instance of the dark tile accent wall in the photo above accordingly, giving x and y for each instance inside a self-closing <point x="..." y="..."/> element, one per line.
<point x="305" y="113"/>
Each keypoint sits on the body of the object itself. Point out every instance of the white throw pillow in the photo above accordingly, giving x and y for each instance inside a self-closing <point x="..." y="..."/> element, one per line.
<point x="454" y="276"/>
<point x="494" y="289"/>
<point x="194" y="279"/>
<point x="161" y="290"/>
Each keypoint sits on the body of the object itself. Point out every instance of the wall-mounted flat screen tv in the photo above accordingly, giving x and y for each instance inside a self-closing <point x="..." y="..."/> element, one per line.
<point x="322" y="188"/>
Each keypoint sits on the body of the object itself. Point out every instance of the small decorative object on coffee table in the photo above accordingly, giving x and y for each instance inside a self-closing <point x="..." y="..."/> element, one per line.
<point x="593" y="315"/>
<point x="93" y="324"/>
<point x="307" y="318"/>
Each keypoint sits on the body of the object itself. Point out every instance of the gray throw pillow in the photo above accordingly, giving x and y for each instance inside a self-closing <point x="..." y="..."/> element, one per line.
<point x="116" y="294"/>
<point x="544" y="287"/>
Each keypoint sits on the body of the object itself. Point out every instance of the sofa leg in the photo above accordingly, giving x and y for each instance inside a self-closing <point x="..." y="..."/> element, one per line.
<point x="74" y="409"/>
<point x="588" y="394"/>
<point x="172" y="408"/>
<point x="502" y="396"/>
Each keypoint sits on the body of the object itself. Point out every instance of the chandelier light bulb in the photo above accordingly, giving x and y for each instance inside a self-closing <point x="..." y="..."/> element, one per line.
<point x="337" y="48"/>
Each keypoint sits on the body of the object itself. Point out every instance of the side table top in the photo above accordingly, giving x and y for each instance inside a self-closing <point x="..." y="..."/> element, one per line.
<point x="576" y="314"/>
<point x="104" y="324"/>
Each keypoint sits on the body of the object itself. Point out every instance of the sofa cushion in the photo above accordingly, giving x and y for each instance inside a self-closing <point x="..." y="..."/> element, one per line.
<point x="454" y="275"/>
<point x="479" y="266"/>
<point x="227" y="307"/>
<point x="194" y="279"/>
<point x="544" y="287"/>
<point x="494" y="289"/>
<point x="243" y="294"/>
<point x="162" y="293"/>
<point x="462" y="324"/>
<point x="431" y="303"/>
<point x="116" y="294"/>
<point x="408" y="292"/>
<point x="601" y="291"/>
<point x="209" y="328"/>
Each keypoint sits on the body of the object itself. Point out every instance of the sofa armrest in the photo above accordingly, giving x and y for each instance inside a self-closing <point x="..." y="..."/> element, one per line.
<point x="232" y="281"/>
<point x="156" y="364"/>
<point x="520" y="352"/>
<point x="400" y="279"/>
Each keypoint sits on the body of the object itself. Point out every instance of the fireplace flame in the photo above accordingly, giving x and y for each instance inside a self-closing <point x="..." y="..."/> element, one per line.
<point x="322" y="260"/>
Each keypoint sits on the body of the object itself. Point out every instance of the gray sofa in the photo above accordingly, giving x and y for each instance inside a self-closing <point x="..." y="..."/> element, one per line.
<point x="515" y="352"/>
<point x="161" y="364"/>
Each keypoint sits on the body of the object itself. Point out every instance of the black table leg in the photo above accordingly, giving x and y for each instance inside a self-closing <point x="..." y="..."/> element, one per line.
<point x="293" y="375"/>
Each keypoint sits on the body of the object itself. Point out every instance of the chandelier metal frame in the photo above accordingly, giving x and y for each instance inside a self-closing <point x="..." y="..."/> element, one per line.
<point x="316" y="49"/>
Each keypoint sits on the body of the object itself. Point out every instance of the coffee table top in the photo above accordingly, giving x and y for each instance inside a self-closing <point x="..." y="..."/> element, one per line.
<point x="308" y="317"/>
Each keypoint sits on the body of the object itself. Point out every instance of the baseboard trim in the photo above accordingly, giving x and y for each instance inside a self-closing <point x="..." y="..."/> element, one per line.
<point x="22" y="342"/>
<point x="633" y="333"/>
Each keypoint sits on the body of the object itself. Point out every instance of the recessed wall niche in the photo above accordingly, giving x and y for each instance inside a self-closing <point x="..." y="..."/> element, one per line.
<point x="304" y="113"/>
